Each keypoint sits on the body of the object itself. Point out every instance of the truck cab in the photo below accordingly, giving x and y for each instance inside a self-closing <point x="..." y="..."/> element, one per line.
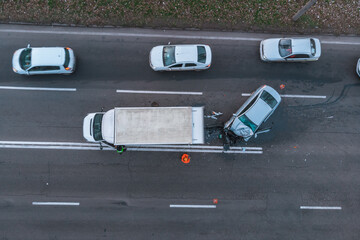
<point x="92" y="127"/>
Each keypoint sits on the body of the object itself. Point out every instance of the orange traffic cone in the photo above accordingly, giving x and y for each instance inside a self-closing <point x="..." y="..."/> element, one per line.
<point x="185" y="158"/>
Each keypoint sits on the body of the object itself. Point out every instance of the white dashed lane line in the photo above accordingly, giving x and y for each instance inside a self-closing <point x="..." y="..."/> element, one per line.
<point x="56" y="203"/>
<point x="192" y="206"/>
<point x="319" y="208"/>
<point x="290" y="96"/>
<point x="38" y="89"/>
<point x="159" y="92"/>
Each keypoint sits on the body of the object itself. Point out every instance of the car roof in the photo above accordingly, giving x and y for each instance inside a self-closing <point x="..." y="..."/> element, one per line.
<point x="301" y="45"/>
<point x="186" y="53"/>
<point x="259" y="111"/>
<point x="47" y="56"/>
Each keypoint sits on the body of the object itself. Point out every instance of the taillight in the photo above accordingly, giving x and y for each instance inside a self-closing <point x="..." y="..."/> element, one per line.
<point x="68" y="69"/>
<point x="208" y="65"/>
<point x="68" y="48"/>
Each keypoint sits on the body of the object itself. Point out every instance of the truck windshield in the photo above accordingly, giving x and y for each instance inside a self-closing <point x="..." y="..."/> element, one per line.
<point x="97" y="127"/>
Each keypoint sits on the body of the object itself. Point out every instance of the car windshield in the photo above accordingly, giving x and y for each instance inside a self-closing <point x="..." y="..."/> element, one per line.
<point x="245" y="120"/>
<point x="169" y="55"/>
<point x="97" y="127"/>
<point x="268" y="98"/>
<point x="25" y="58"/>
<point x="201" y="54"/>
<point x="312" y="46"/>
<point x="285" y="47"/>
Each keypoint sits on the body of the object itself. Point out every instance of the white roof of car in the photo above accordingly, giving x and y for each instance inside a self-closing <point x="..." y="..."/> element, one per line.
<point x="301" y="45"/>
<point x="261" y="109"/>
<point x="186" y="53"/>
<point x="258" y="112"/>
<point x="47" y="56"/>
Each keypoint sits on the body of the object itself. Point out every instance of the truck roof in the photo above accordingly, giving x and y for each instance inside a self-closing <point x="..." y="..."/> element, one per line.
<point x="153" y="125"/>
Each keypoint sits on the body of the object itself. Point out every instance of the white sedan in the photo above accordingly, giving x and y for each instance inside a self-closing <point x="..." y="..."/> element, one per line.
<point x="290" y="49"/>
<point x="180" y="57"/>
<point x="43" y="60"/>
<point x="247" y="120"/>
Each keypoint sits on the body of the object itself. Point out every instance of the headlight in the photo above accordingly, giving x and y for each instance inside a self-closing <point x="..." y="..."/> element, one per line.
<point x="14" y="69"/>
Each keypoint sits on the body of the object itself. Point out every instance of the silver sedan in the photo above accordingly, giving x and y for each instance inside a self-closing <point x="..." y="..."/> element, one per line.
<point x="290" y="49"/>
<point x="180" y="57"/>
<point x="256" y="110"/>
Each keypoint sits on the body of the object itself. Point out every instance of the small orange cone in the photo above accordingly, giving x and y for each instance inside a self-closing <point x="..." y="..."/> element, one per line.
<point x="282" y="86"/>
<point x="215" y="200"/>
<point x="185" y="158"/>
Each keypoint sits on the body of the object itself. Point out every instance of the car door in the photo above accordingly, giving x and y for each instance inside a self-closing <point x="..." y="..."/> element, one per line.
<point x="190" y="66"/>
<point x="298" y="58"/>
<point x="44" y="70"/>
<point x="176" y="67"/>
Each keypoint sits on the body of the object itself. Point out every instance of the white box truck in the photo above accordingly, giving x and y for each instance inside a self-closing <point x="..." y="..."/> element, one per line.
<point x="146" y="125"/>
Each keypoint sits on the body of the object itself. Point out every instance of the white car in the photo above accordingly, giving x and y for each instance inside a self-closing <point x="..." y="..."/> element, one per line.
<point x="358" y="67"/>
<point x="256" y="110"/>
<point x="44" y="60"/>
<point x="290" y="49"/>
<point x="180" y="57"/>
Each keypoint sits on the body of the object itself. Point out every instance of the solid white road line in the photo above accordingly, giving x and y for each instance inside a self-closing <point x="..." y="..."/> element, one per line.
<point x="290" y="96"/>
<point x="38" y="89"/>
<point x="192" y="206"/>
<point x="140" y="148"/>
<point x="199" y="146"/>
<point x="339" y="43"/>
<point x="92" y="33"/>
<point x="320" y="208"/>
<point x="132" y="35"/>
<point x="190" y="150"/>
<point x="56" y="203"/>
<point x="159" y="92"/>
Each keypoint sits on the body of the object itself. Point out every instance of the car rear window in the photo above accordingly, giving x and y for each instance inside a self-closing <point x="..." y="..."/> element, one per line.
<point x="201" y="54"/>
<point x="169" y="55"/>
<point x="285" y="48"/>
<point x="67" y="58"/>
<point x="268" y="98"/>
<point x="25" y="58"/>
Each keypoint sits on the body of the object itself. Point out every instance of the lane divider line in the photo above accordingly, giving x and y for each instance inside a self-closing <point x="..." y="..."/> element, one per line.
<point x="192" y="206"/>
<point x="92" y="33"/>
<point x="159" y="92"/>
<point x="290" y="96"/>
<point x="320" y="208"/>
<point x="38" y="89"/>
<point x="131" y="35"/>
<point x="56" y="203"/>
<point x="139" y="148"/>
<point x="96" y="145"/>
<point x="198" y="146"/>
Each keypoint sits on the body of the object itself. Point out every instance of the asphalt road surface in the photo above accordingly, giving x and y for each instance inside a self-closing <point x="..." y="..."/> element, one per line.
<point x="300" y="182"/>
